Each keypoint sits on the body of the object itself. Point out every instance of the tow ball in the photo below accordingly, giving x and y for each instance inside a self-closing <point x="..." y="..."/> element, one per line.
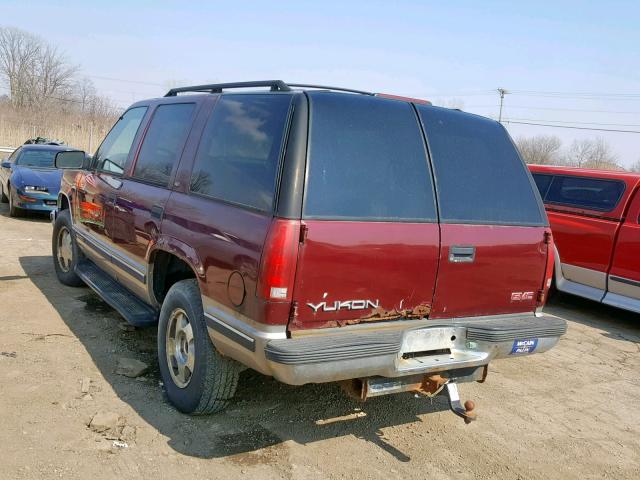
<point x="466" y="412"/>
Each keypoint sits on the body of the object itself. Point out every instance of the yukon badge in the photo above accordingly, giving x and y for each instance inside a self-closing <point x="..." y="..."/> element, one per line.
<point x="344" y="305"/>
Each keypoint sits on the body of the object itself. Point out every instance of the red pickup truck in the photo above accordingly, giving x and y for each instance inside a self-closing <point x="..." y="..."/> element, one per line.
<point x="595" y="219"/>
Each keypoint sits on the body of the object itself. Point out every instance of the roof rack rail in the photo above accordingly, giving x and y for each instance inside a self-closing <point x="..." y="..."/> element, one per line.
<point x="276" y="86"/>
<point x="324" y="87"/>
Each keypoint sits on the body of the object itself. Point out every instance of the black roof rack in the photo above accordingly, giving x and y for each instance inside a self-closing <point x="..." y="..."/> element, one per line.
<point x="276" y="86"/>
<point x="324" y="87"/>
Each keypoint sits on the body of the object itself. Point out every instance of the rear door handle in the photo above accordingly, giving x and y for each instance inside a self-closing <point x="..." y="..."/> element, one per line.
<point x="461" y="254"/>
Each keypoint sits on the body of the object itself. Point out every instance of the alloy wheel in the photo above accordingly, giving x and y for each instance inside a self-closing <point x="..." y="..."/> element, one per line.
<point x="180" y="348"/>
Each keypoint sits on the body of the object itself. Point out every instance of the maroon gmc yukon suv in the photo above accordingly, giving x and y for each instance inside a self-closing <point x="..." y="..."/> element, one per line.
<point x="314" y="234"/>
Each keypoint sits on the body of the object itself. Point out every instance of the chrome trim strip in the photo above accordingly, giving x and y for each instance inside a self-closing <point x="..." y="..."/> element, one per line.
<point x="116" y="258"/>
<point x="228" y="331"/>
<point x="628" y="281"/>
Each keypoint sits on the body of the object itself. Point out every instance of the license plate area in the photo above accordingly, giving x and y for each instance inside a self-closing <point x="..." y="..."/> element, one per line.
<point x="436" y="340"/>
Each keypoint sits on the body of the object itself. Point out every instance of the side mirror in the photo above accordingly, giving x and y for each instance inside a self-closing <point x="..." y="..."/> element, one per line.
<point x="5" y="164"/>
<point x="74" y="160"/>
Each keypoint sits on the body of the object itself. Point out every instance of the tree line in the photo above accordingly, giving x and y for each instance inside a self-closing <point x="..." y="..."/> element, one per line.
<point x="586" y="153"/>
<point x="38" y="76"/>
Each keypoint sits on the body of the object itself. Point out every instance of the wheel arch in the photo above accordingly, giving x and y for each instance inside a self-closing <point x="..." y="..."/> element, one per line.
<point x="170" y="262"/>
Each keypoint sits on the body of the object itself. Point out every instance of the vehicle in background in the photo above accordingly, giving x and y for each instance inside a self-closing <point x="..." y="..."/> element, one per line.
<point x="595" y="219"/>
<point x="313" y="234"/>
<point x="43" y="141"/>
<point x="29" y="179"/>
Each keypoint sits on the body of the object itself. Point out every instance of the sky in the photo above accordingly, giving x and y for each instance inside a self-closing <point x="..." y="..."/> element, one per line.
<point x="572" y="63"/>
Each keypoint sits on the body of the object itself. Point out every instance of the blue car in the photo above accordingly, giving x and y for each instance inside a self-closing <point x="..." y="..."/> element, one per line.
<point x="29" y="179"/>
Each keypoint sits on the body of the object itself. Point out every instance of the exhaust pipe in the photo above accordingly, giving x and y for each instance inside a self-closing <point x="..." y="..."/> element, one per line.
<point x="429" y="386"/>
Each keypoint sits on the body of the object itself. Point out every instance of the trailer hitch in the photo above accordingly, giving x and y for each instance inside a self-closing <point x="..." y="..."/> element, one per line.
<point x="466" y="412"/>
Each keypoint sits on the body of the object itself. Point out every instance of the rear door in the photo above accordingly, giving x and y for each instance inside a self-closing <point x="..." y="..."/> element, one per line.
<point x="370" y="234"/>
<point x="624" y="276"/>
<point x="493" y="244"/>
<point x="133" y="221"/>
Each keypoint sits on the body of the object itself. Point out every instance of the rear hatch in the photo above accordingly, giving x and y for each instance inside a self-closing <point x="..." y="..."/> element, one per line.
<point x="370" y="234"/>
<point x="371" y="245"/>
<point x="494" y="231"/>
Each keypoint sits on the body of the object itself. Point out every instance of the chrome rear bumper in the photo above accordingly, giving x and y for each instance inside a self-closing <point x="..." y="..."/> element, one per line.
<point x="386" y="349"/>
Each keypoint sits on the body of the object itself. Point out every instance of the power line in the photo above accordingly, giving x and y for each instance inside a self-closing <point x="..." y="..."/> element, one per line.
<point x="578" y="123"/>
<point x="571" y="127"/>
<point x="584" y="110"/>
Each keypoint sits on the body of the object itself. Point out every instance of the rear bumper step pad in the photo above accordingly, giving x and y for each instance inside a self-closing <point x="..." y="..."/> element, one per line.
<point x="509" y="329"/>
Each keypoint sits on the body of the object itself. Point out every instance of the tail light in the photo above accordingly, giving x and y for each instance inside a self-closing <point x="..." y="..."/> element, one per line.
<point x="278" y="263"/>
<point x="548" y="273"/>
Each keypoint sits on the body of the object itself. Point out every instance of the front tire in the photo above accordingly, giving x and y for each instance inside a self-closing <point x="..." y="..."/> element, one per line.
<point x="66" y="253"/>
<point x="198" y="380"/>
<point x="13" y="210"/>
<point x="3" y="196"/>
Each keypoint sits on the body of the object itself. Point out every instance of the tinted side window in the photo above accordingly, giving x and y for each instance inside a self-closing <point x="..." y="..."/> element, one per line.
<point x="479" y="175"/>
<point x="163" y="142"/>
<point x="238" y="156"/>
<point x="367" y="160"/>
<point x="583" y="192"/>
<point x="112" y="154"/>
<point x="542" y="182"/>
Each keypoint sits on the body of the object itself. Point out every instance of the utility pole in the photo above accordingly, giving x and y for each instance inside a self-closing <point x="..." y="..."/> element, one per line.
<point x="502" y="93"/>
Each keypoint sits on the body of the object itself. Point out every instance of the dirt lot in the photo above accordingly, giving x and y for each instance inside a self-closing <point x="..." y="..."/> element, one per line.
<point x="569" y="413"/>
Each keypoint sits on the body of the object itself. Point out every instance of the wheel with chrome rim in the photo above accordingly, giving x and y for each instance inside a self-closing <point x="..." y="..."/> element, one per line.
<point x="65" y="251"/>
<point x="180" y="348"/>
<point x="197" y="379"/>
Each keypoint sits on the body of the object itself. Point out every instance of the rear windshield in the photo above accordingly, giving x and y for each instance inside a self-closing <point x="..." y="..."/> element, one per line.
<point x="367" y="161"/>
<point x="480" y="177"/>
<point x="37" y="158"/>
<point x="584" y="192"/>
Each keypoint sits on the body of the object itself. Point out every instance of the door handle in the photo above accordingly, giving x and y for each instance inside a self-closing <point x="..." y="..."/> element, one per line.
<point x="157" y="212"/>
<point x="462" y="254"/>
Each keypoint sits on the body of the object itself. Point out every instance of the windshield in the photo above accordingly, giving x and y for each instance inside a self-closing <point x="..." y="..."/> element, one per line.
<point x="37" y="158"/>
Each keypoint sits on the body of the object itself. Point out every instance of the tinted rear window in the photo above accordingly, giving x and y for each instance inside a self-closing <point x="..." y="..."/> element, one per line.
<point x="584" y="192"/>
<point x="480" y="177"/>
<point x="367" y="161"/>
<point x="542" y="182"/>
<point x="238" y="156"/>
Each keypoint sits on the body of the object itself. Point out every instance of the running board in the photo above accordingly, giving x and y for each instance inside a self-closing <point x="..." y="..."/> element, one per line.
<point x="134" y="310"/>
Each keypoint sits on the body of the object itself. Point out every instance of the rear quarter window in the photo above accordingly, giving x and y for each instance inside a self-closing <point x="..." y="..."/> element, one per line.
<point x="542" y="182"/>
<point x="585" y="192"/>
<point x="238" y="155"/>
<point x="367" y="161"/>
<point x="480" y="178"/>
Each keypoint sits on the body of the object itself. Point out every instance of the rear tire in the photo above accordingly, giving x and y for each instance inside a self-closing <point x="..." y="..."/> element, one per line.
<point x="3" y="197"/>
<point x="13" y="210"/>
<point x="66" y="253"/>
<point x="198" y="380"/>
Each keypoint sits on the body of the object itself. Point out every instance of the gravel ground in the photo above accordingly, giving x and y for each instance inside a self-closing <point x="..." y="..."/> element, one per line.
<point x="569" y="413"/>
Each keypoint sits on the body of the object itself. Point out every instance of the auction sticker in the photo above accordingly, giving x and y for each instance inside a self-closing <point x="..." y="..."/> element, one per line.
<point x="525" y="345"/>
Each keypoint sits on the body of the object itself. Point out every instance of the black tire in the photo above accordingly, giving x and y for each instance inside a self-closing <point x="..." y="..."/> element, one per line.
<point x="13" y="210"/>
<point x="3" y="197"/>
<point x="65" y="271"/>
<point x="214" y="379"/>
